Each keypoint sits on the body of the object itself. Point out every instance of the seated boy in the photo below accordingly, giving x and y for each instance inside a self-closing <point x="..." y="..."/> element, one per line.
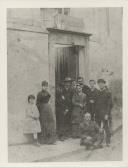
<point x="91" y="134"/>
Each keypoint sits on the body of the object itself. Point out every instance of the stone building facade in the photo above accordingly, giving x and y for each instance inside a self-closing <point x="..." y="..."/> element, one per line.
<point x="90" y="39"/>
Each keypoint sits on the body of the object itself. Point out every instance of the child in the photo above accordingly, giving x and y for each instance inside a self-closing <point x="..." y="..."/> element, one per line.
<point x="32" y="124"/>
<point x="91" y="134"/>
<point x="103" y="109"/>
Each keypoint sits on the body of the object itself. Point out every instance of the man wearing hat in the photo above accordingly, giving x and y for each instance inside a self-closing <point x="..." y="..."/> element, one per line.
<point x="103" y="109"/>
<point x="64" y="101"/>
<point x="67" y="93"/>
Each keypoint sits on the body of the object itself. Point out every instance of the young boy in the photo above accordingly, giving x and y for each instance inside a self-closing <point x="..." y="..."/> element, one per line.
<point x="32" y="124"/>
<point x="92" y="97"/>
<point x="103" y="109"/>
<point x="91" y="134"/>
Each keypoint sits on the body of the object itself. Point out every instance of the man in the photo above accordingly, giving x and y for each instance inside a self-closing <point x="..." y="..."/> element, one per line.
<point x="103" y="109"/>
<point x="60" y="108"/>
<point x="92" y="97"/>
<point x="91" y="134"/>
<point x="67" y="95"/>
<point x="85" y="88"/>
<point x="64" y="107"/>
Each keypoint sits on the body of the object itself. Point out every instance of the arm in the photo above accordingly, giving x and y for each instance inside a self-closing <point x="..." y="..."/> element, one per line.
<point x="29" y="113"/>
<point x="38" y="100"/>
<point x="109" y="103"/>
<point x="85" y="103"/>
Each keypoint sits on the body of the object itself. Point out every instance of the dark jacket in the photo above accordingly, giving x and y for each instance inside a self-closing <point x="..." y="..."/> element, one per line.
<point x="103" y="104"/>
<point x="86" y="90"/>
<point x="42" y="98"/>
<point x="92" y="95"/>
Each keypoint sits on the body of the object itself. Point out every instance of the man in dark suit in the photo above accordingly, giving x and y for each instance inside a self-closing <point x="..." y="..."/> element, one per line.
<point x="92" y="97"/>
<point x="64" y="108"/>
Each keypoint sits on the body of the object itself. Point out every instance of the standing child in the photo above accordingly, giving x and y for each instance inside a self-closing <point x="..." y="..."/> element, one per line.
<point x="103" y="110"/>
<point x="32" y="124"/>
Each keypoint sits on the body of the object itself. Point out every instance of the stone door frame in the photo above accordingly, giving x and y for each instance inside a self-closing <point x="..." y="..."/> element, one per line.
<point x="64" y="37"/>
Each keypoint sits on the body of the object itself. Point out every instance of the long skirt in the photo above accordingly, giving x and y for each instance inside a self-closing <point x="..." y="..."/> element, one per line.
<point x="48" y="127"/>
<point x="77" y="117"/>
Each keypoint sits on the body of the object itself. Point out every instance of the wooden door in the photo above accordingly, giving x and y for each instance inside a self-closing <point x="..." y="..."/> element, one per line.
<point x="67" y="63"/>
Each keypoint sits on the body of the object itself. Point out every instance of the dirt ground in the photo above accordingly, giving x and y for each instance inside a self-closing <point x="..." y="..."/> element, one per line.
<point x="112" y="153"/>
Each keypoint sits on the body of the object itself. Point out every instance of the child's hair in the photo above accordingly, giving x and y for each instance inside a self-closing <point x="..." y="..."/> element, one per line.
<point x="31" y="97"/>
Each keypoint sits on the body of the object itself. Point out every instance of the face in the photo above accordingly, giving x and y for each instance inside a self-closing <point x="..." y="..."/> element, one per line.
<point x="74" y="84"/>
<point x="87" y="117"/>
<point x="32" y="101"/>
<point x="67" y="85"/>
<point x="79" y="88"/>
<point x="45" y="87"/>
<point x="101" y="85"/>
<point x="92" y="84"/>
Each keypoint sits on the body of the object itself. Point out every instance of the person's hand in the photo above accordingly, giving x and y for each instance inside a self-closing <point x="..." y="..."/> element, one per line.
<point x="91" y="101"/>
<point x="106" y="117"/>
<point x="81" y="105"/>
<point x="63" y="97"/>
<point x="88" y="137"/>
<point x="66" y="111"/>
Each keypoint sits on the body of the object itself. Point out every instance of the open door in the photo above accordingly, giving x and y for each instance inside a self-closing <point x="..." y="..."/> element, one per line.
<point x="66" y="63"/>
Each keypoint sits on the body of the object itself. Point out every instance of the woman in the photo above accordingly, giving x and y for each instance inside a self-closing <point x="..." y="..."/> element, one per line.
<point x="47" y="118"/>
<point x="79" y="104"/>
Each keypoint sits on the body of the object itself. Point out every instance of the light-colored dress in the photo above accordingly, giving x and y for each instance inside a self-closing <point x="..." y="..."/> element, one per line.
<point x="32" y="123"/>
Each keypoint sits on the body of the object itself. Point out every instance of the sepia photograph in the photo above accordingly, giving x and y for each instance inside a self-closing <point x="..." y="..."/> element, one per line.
<point x="64" y="84"/>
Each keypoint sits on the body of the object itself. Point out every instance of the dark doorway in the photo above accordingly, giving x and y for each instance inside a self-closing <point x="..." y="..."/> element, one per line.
<point x="67" y="63"/>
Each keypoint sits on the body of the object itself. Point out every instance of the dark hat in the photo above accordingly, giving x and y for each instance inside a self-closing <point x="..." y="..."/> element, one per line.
<point x="67" y="79"/>
<point x="101" y="81"/>
<point x="44" y="83"/>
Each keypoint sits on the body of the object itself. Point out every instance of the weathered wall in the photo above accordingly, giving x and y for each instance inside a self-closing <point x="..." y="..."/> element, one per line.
<point x="27" y="67"/>
<point x="105" y="46"/>
<point x="28" y="56"/>
<point x="106" y="42"/>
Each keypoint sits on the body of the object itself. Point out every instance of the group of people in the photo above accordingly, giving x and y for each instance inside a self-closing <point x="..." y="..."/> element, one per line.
<point x="81" y="112"/>
<point x="84" y="111"/>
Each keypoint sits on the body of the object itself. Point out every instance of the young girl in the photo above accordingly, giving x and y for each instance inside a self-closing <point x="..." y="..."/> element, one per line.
<point x="32" y="124"/>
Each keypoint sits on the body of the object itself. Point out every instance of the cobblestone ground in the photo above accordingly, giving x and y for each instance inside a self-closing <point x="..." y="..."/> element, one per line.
<point x="112" y="153"/>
